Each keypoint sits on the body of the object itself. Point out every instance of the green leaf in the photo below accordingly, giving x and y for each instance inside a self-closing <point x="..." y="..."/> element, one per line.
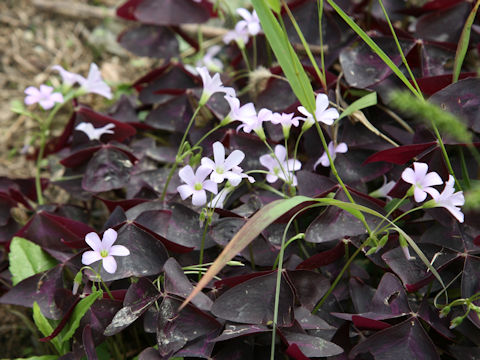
<point x="77" y="315"/>
<point x="362" y="103"/>
<point x="463" y="43"/>
<point x="44" y="326"/>
<point x="252" y="228"/>
<point x="27" y="259"/>
<point x="286" y="56"/>
<point x="274" y="5"/>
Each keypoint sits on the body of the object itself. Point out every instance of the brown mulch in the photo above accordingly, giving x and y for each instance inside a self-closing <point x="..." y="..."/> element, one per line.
<point x="31" y="41"/>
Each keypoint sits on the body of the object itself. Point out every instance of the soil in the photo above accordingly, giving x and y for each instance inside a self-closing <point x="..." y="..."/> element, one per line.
<point x="31" y="41"/>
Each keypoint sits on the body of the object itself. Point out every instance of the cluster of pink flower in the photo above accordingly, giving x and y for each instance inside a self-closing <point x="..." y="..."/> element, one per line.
<point x="47" y="98"/>
<point x="422" y="182"/>
<point x="249" y="26"/>
<point x="219" y="169"/>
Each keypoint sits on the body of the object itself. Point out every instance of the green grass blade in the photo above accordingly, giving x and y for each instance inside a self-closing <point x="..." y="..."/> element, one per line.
<point x="252" y="228"/>
<point x="286" y="56"/>
<point x="374" y="47"/>
<point x="362" y="103"/>
<point x="463" y="43"/>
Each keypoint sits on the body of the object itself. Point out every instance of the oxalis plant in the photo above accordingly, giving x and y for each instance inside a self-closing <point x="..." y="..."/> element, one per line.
<point x="300" y="183"/>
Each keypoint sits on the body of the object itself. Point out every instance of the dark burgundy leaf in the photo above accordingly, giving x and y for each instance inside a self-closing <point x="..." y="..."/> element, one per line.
<point x="363" y="68"/>
<point x="234" y="281"/>
<point x="62" y="322"/>
<point x="150" y="354"/>
<point x="406" y="340"/>
<point x="309" y="321"/>
<point x="470" y="284"/>
<point x="121" y="130"/>
<point x="127" y="9"/>
<point x="414" y="273"/>
<point x="432" y="84"/>
<point x="40" y="288"/>
<point x="123" y="204"/>
<point x="369" y="324"/>
<point x="309" y="286"/>
<point x="201" y="347"/>
<point x="461" y="99"/>
<point x="171" y="12"/>
<point x="108" y="169"/>
<point x="150" y="40"/>
<point x="88" y="343"/>
<point x="177" y="283"/>
<point x="294" y="351"/>
<point x="99" y="316"/>
<point x="443" y="25"/>
<point x="48" y="231"/>
<point x="235" y="330"/>
<point x="175" y="330"/>
<point x="312" y="346"/>
<point x="147" y="254"/>
<point x="323" y="258"/>
<point x="139" y="297"/>
<point x="314" y="185"/>
<point x="252" y="302"/>
<point x="431" y="317"/>
<point x="171" y="115"/>
<point x="400" y="155"/>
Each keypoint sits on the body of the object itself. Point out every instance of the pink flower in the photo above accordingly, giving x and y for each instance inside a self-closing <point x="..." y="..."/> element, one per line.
<point x="104" y="250"/>
<point x="239" y="35"/>
<point x="94" y="83"/>
<point x="421" y="181"/>
<point x="341" y="148"/>
<point x="44" y="96"/>
<point x="68" y="77"/>
<point x="244" y="113"/>
<point x="212" y="85"/>
<point x="223" y="168"/>
<point x="279" y="167"/>
<point x="322" y="113"/>
<point x="255" y="122"/>
<point x="196" y="184"/>
<point x="250" y="22"/>
<point x="449" y="199"/>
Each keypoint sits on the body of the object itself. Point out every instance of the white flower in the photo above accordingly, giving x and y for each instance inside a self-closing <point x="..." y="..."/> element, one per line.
<point x="104" y="250"/>
<point x="94" y="83"/>
<point x="341" y="148"/>
<point x="286" y="120"/>
<point x="212" y="85"/>
<point x="244" y="113"/>
<point x="44" y="96"/>
<point x="421" y="181"/>
<point x="279" y="167"/>
<point x="255" y="122"/>
<point x="209" y="59"/>
<point x="219" y="200"/>
<point x="250" y="22"/>
<point x="196" y="184"/>
<point x="449" y="199"/>
<point x="383" y="190"/>
<point x="238" y="170"/>
<point x="239" y="35"/>
<point x="223" y="168"/>
<point x="322" y="113"/>
<point x="94" y="133"/>
<point x="68" y="77"/>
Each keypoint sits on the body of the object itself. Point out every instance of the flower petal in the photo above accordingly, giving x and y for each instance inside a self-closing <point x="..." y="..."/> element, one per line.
<point x="208" y="163"/>
<point x="89" y="257"/>
<point x="321" y="103"/>
<point x="218" y="153"/>
<point x="210" y="186"/>
<point x="202" y="173"/>
<point x="432" y="178"/>
<point x="199" y="198"/>
<point x="280" y="153"/>
<point x="235" y="158"/>
<point x="419" y="194"/>
<point x="109" y="237"/>
<point x="420" y="170"/>
<point x="185" y="191"/>
<point x="187" y="175"/>
<point x="93" y="240"/>
<point x="341" y="148"/>
<point x="109" y="264"/>
<point x="408" y="175"/>
<point x="271" y="178"/>
<point x="119" y="250"/>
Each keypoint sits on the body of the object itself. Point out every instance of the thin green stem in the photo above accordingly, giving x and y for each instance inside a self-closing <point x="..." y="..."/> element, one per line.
<point x="322" y="50"/>
<point x="397" y="205"/>
<point x="305" y="45"/>
<point x="179" y="153"/>
<point x="245" y="57"/>
<point x="419" y="92"/>
<point x="202" y="246"/>
<point x="340" y="275"/>
<point x="399" y="217"/>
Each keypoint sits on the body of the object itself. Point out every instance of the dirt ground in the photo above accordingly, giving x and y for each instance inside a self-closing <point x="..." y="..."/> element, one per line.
<point x="32" y="39"/>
